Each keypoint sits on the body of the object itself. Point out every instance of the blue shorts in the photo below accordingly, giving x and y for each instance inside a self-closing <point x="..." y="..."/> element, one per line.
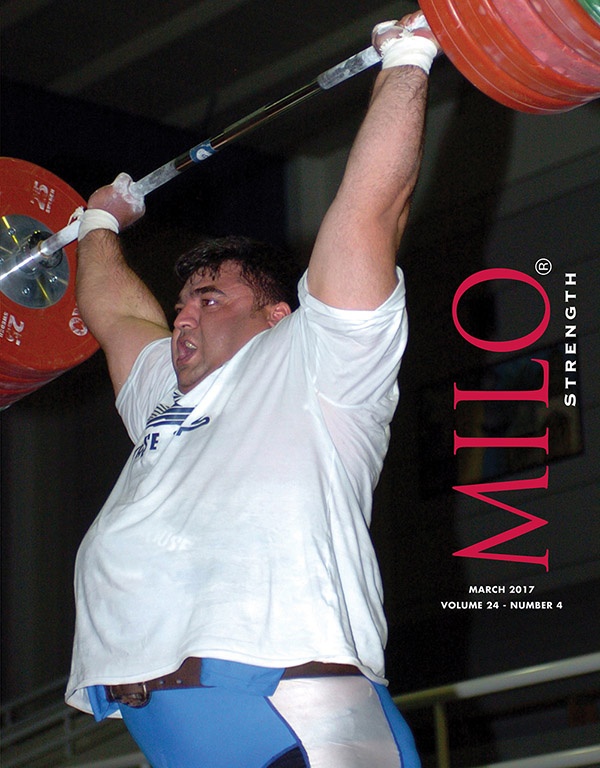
<point x="328" y="722"/>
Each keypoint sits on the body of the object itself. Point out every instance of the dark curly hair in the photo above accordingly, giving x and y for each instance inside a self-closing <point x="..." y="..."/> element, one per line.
<point x="269" y="271"/>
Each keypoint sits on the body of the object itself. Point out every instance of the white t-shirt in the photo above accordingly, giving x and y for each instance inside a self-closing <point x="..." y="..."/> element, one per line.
<point x="238" y="528"/>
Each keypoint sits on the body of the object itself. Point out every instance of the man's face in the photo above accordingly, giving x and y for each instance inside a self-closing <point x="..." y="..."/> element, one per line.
<point x="216" y="317"/>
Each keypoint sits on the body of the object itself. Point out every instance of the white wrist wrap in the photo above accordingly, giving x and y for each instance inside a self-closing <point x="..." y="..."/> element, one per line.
<point x="96" y="218"/>
<point x="408" y="49"/>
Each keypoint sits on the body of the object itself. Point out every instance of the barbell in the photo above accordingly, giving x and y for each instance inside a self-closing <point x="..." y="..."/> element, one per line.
<point x="536" y="56"/>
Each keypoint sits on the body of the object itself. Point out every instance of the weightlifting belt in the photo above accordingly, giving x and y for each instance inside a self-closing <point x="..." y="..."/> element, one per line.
<point x="188" y="676"/>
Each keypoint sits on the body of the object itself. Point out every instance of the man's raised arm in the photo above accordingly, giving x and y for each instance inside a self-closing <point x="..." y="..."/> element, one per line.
<point x="115" y="304"/>
<point x="353" y="262"/>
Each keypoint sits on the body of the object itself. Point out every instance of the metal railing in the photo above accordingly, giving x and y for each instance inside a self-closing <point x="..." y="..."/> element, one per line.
<point x="438" y="697"/>
<point x="21" y="729"/>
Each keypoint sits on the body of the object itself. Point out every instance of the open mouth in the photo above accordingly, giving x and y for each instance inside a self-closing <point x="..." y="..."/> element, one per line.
<point x="185" y="350"/>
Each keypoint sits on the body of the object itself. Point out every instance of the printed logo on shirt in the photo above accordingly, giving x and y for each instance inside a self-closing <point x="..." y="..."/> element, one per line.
<point x="164" y="416"/>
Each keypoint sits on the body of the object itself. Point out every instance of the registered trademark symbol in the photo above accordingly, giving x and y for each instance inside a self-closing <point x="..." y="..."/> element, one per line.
<point x="543" y="266"/>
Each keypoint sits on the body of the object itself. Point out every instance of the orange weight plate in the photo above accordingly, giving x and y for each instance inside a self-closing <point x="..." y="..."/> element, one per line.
<point x="41" y="332"/>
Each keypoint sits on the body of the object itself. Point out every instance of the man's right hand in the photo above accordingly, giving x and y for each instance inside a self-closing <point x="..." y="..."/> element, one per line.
<point x="116" y="305"/>
<point x="118" y="198"/>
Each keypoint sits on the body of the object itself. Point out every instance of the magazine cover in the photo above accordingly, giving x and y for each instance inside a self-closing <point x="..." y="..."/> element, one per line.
<point x="486" y="515"/>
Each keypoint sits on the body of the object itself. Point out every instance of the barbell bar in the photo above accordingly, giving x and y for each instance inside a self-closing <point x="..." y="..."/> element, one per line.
<point x="536" y="56"/>
<point x="326" y="80"/>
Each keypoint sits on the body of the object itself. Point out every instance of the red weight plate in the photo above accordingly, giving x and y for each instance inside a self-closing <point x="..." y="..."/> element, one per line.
<point x="480" y="44"/>
<point x="37" y="343"/>
<point x="45" y="340"/>
<point x="19" y="382"/>
<point x="581" y="20"/>
<point x="12" y="389"/>
<point x="478" y="65"/>
<point x="507" y="54"/>
<point x="13" y="375"/>
<point x="19" y="386"/>
<point x="565" y="17"/>
<point x="561" y="65"/>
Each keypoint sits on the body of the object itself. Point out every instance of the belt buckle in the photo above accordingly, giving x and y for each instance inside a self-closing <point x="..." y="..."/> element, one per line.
<point x="135" y="699"/>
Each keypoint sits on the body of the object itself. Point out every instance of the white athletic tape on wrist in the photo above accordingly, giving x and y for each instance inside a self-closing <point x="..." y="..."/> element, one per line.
<point x="409" y="49"/>
<point x="96" y="218"/>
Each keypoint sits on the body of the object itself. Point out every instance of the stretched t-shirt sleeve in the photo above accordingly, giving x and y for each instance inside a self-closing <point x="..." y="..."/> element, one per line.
<point x="151" y="378"/>
<point x="354" y="355"/>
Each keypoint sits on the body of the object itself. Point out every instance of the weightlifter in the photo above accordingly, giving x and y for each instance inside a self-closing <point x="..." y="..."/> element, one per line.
<point x="229" y="603"/>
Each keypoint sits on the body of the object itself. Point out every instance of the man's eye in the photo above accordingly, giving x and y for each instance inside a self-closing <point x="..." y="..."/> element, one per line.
<point x="208" y="302"/>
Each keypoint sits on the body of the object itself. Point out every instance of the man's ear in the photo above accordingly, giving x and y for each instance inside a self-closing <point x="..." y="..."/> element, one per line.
<point x="277" y="312"/>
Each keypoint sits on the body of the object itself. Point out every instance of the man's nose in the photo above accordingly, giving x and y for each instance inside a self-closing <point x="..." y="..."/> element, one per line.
<point x="187" y="317"/>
